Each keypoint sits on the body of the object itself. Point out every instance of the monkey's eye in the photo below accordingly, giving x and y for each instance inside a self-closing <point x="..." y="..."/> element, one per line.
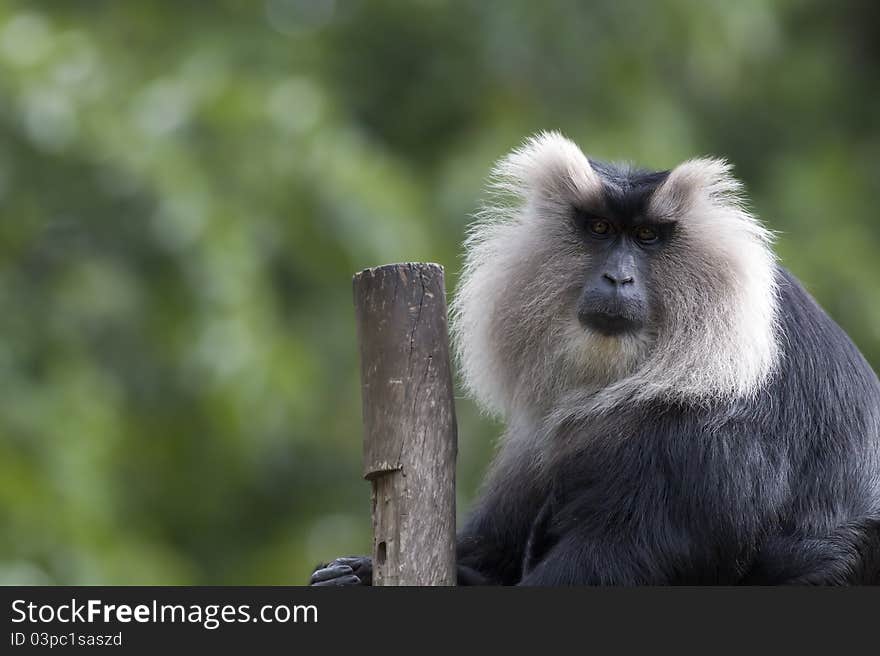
<point x="600" y="228"/>
<point x="647" y="234"/>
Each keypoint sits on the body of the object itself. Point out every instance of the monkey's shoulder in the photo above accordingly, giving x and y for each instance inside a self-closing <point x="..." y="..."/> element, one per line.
<point x="822" y="376"/>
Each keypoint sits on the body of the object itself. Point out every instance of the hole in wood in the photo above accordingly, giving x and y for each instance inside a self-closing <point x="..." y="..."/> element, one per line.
<point x="381" y="553"/>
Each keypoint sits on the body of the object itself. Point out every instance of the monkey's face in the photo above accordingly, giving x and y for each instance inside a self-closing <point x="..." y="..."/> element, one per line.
<point x="602" y="280"/>
<point x="605" y="251"/>
<point x="621" y="242"/>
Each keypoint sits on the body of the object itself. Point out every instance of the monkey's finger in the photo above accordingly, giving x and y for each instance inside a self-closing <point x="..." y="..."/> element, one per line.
<point x="332" y="572"/>
<point x="340" y="581"/>
<point x="351" y="561"/>
<point x="362" y="566"/>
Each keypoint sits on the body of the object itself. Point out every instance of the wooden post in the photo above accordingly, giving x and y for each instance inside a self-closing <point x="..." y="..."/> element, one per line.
<point x="410" y="440"/>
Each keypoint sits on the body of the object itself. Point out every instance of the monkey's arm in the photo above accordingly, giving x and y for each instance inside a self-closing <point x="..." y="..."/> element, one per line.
<point x="578" y="559"/>
<point x="848" y="555"/>
<point x="490" y="547"/>
<point x="496" y="538"/>
<point x="358" y="570"/>
<point x="489" y="550"/>
<point x="484" y="558"/>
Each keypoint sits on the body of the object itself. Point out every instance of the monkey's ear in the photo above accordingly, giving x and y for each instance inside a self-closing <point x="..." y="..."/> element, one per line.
<point x="696" y="182"/>
<point x="546" y="167"/>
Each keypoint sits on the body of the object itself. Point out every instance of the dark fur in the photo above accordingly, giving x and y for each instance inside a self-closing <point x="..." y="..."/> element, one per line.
<point x="626" y="191"/>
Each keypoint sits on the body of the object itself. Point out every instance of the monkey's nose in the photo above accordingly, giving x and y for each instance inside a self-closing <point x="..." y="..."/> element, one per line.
<point x="618" y="278"/>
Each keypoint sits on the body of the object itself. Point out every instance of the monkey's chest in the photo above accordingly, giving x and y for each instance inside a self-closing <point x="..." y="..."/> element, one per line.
<point x="654" y="484"/>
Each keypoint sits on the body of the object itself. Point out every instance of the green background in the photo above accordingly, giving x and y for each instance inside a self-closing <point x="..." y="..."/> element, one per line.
<point x="187" y="187"/>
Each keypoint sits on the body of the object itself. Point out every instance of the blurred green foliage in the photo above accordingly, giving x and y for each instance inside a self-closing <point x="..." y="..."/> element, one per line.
<point x="186" y="189"/>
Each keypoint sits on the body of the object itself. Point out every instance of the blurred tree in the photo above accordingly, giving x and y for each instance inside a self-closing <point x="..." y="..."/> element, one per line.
<point x="186" y="188"/>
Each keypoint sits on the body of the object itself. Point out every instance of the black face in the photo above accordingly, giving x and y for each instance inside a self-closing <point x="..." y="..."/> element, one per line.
<point x="621" y="241"/>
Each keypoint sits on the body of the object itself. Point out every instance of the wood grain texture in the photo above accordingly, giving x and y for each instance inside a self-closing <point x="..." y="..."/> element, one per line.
<point x="410" y="438"/>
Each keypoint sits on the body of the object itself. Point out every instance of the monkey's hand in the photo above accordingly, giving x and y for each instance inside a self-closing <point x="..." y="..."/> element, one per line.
<point x="352" y="570"/>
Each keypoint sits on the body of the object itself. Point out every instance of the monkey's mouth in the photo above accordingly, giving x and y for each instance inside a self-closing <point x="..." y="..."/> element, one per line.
<point x="609" y="324"/>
